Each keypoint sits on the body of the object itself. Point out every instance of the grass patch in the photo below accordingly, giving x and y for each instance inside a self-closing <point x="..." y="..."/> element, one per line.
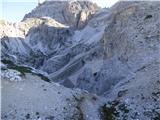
<point x="108" y="113"/>
<point x="20" y="69"/>
<point x="23" y="69"/>
<point x="8" y="62"/>
<point x="157" y="117"/>
<point x="43" y="77"/>
<point x="79" y="101"/>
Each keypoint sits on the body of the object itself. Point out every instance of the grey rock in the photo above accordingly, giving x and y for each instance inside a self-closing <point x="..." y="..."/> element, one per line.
<point x="111" y="50"/>
<point x="71" y="13"/>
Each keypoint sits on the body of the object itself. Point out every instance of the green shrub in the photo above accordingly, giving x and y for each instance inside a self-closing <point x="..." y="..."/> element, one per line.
<point x="148" y="17"/>
<point x="157" y="117"/>
<point x="23" y="69"/>
<point x="108" y="113"/>
<point x="20" y="69"/>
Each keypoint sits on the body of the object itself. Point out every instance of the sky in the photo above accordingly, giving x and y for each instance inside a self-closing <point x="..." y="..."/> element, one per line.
<point x="14" y="10"/>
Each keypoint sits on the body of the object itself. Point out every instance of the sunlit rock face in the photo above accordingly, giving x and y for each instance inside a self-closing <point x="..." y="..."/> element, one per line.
<point x="12" y="75"/>
<point x="72" y="13"/>
<point x="110" y="52"/>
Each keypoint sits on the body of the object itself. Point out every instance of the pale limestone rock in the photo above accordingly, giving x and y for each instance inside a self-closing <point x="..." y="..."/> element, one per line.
<point x="11" y="75"/>
<point x="114" y="52"/>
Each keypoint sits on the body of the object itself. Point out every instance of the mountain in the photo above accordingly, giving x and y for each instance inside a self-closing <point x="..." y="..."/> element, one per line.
<point x="72" y="13"/>
<point x="106" y="61"/>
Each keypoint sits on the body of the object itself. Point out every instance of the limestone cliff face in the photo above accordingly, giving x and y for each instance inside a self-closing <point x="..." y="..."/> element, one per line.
<point x="112" y="52"/>
<point x="72" y="13"/>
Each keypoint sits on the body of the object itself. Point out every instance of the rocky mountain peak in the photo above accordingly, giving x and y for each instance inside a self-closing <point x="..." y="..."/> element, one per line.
<point x="71" y="13"/>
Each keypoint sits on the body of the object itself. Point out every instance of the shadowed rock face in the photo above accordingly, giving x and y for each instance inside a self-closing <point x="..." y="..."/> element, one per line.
<point x="116" y="54"/>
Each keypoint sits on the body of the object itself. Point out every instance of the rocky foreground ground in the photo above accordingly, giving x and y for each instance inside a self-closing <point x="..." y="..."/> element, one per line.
<point x="72" y="60"/>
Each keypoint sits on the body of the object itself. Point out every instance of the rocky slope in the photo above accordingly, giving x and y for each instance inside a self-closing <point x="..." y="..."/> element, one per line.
<point x="34" y="99"/>
<point x="113" y="53"/>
